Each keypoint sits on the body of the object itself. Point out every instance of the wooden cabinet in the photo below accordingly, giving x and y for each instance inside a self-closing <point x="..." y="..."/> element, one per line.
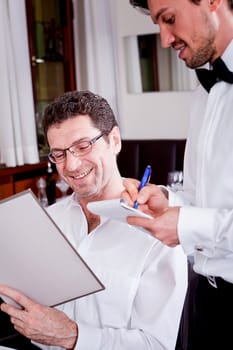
<point x="20" y="178"/>
<point x="50" y="33"/>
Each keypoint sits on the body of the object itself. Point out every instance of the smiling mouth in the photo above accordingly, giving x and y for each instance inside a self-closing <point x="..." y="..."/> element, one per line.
<point x="83" y="174"/>
<point x="178" y="46"/>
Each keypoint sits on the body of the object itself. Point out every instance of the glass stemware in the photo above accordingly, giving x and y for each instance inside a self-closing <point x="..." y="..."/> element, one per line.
<point x="63" y="186"/>
<point x="175" y="180"/>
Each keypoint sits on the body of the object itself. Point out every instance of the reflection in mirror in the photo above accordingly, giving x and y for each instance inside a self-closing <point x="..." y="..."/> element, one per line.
<point x="149" y="67"/>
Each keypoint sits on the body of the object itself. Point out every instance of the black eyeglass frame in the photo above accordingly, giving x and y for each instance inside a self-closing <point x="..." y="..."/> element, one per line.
<point x="75" y="154"/>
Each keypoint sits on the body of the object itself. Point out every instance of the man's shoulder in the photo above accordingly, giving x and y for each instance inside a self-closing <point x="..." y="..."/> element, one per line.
<point x="63" y="204"/>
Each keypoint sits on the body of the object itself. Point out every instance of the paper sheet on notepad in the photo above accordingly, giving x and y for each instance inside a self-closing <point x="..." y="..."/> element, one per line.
<point x="115" y="209"/>
<point x="36" y="258"/>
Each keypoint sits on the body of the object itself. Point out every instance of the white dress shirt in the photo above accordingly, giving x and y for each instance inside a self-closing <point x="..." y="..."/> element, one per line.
<point x="145" y="284"/>
<point x="205" y="225"/>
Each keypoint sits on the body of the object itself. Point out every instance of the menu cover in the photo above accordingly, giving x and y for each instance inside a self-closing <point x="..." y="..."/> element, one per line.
<point x="36" y="258"/>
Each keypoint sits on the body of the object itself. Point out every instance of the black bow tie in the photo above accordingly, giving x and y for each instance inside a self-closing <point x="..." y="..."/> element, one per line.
<point x="219" y="72"/>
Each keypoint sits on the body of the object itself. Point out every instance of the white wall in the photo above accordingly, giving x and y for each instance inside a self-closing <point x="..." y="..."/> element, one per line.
<point x="159" y="115"/>
<point x="149" y="115"/>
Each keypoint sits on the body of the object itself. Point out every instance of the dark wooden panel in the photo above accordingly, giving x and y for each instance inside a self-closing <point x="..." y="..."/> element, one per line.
<point x="163" y="156"/>
<point x="128" y="159"/>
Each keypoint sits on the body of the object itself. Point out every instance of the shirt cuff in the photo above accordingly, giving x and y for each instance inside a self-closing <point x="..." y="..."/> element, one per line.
<point x="195" y="230"/>
<point x="174" y="199"/>
<point x="88" y="338"/>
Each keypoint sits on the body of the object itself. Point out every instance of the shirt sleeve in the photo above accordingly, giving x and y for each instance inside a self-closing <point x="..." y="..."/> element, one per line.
<point x="206" y="233"/>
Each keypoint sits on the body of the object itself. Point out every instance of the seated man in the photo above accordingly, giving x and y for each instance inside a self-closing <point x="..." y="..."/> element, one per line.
<point x="145" y="280"/>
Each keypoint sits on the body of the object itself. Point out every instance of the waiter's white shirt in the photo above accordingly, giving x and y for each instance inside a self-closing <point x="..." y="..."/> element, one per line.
<point x="205" y="225"/>
<point x="145" y="284"/>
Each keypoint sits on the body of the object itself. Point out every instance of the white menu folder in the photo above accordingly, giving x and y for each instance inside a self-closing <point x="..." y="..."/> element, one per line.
<point x="35" y="256"/>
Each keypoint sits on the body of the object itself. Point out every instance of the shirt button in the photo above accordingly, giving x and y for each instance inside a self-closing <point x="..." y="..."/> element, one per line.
<point x="199" y="248"/>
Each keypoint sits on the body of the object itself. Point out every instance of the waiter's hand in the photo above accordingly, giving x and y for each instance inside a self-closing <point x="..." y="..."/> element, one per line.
<point x="153" y="201"/>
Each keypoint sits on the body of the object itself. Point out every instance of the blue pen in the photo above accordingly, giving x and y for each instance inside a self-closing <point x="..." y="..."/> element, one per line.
<point x="144" y="181"/>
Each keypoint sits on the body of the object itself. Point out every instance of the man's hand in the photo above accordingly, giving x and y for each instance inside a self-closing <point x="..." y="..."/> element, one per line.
<point x="152" y="201"/>
<point x="40" y="323"/>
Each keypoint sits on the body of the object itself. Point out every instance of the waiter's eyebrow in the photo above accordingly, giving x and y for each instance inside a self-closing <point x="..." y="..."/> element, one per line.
<point x="159" y="14"/>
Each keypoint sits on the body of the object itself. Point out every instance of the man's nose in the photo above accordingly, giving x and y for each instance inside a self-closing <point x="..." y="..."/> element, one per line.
<point x="166" y="37"/>
<point x="71" y="161"/>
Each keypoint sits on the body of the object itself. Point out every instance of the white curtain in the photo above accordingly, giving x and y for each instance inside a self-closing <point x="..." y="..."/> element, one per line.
<point x="182" y="78"/>
<point x="97" y="45"/>
<point x="133" y="69"/>
<point x="18" y="142"/>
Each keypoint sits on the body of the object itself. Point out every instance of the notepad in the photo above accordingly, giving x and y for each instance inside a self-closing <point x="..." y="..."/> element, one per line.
<point x="36" y="258"/>
<point x="117" y="209"/>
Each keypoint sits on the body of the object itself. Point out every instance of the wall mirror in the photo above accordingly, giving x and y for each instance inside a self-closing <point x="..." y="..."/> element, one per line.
<point x="149" y="67"/>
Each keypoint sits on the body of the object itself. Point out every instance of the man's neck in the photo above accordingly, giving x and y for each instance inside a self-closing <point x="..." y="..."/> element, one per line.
<point x="93" y="220"/>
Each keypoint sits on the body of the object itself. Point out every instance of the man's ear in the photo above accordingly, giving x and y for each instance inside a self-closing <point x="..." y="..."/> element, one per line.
<point x="115" y="139"/>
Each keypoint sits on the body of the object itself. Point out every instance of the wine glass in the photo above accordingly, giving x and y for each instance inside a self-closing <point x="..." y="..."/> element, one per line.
<point x="63" y="186"/>
<point x="175" y="180"/>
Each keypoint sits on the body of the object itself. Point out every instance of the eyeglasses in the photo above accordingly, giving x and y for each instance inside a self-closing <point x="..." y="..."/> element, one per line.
<point x="78" y="149"/>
